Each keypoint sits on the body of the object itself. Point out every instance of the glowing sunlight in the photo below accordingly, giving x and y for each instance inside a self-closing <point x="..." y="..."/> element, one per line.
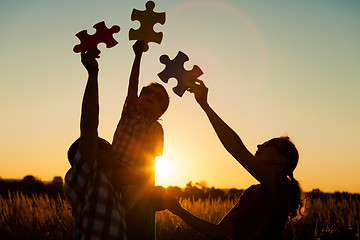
<point x="163" y="166"/>
<point x="162" y="169"/>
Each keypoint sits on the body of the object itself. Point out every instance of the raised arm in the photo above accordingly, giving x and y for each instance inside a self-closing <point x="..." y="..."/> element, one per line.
<point x="89" y="120"/>
<point x="132" y="94"/>
<point x="232" y="142"/>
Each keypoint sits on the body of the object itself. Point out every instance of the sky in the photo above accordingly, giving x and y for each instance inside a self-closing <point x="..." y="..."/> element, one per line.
<point x="272" y="68"/>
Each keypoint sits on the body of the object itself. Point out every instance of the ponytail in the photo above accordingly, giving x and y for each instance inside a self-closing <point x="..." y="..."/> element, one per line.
<point x="287" y="148"/>
<point x="297" y="199"/>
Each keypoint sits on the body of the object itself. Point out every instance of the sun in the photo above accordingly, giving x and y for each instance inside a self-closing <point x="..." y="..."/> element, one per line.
<point x="162" y="167"/>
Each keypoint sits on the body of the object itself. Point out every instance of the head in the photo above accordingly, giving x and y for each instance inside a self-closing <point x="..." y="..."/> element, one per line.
<point x="154" y="100"/>
<point x="279" y="153"/>
<point x="105" y="159"/>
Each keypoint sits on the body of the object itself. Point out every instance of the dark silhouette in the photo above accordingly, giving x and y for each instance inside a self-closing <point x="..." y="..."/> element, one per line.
<point x="138" y="139"/>
<point x="263" y="210"/>
<point x="147" y="18"/>
<point x="30" y="185"/>
<point x="96" y="207"/>
<point x="54" y="189"/>
<point x="174" y="68"/>
<point x="122" y="175"/>
<point x="103" y="34"/>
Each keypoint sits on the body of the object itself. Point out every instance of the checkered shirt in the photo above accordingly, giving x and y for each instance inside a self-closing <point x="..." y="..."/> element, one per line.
<point x="136" y="138"/>
<point x="97" y="210"/>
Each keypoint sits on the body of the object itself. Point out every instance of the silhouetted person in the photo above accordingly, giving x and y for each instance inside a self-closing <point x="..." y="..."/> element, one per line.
<point x="97" y="209"/>
<point x="138" y="139"/>
<point x="263" y="210"/>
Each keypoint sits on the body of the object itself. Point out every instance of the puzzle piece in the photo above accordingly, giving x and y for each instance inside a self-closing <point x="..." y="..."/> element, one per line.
<point x="148" y="19"/>
<point x="103" y="34"/>
<point x="175" y="68"/>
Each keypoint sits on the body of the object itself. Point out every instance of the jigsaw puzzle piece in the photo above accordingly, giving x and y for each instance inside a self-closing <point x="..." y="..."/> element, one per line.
<point x="147" y="19"/>
<point x="102" y="34"/>
<point x="175" y="69"/>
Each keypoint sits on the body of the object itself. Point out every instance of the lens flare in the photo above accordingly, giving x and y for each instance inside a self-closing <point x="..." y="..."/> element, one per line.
<point x="162" y="167"/>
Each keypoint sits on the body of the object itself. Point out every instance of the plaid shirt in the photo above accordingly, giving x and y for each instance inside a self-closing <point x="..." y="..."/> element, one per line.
<point x="96" y="207"/>
<point x="137" y="140"/>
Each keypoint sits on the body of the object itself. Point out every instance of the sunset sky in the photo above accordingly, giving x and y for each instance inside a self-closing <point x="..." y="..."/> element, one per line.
<point x="272" y="67"/>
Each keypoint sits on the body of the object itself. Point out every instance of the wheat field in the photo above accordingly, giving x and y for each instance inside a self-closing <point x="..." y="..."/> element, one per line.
<point x="40" y="217"/>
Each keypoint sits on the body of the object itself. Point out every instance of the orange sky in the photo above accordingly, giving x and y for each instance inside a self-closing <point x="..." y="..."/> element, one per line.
<point x="273" y="68"/>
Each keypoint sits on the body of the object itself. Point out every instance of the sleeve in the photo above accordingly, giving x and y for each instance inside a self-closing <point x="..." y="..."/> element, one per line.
<point x="129" y="107"/>
<point x="130" y="111"/>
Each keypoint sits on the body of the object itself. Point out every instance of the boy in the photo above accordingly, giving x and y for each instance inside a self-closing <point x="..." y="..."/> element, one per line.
<point x="138" y="139"/>
<point x="97" y="209"/>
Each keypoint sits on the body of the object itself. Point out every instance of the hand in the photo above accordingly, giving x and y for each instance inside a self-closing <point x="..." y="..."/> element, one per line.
<point x="88" y="59"/>
<point x="200" y="92"/>
<point x="173" y="205"/>
<point x="138" y="47"/>
<point x="158" y="198"/>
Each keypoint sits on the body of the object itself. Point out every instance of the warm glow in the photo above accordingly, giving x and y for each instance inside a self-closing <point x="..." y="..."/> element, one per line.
<point x="247" y="83"/>
<point x="163" y="167"/>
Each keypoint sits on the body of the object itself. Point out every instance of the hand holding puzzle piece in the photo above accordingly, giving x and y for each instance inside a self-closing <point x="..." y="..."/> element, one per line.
<point x="175" y="69"/>
<point x="148" y="18"/>
<point x="103" y="34"/>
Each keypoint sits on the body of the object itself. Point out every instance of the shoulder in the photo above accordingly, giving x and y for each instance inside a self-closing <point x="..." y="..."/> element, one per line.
<point x="157" y="126"/>
<point x="155" y="129"/>
<point x="252" y="189"/>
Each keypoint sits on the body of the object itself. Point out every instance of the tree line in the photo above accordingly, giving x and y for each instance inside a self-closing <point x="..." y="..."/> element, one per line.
<point x="31" y="185"/>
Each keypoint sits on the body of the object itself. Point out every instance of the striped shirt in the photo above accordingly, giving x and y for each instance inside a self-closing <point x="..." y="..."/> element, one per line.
<point x="96" y="207"/>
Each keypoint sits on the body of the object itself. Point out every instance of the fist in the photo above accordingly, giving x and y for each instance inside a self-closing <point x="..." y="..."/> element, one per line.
<point x="139" y="47"/>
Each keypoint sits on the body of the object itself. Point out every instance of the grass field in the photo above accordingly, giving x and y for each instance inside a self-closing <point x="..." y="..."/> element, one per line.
<point x="40" y="217"/>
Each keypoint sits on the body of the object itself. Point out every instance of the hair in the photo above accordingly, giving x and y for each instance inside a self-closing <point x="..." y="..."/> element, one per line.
<point x="72" y="150"/>
<point x="288" y="149"/>
<point x="297" y="200"/>
<point x="102" y="144"/>
<point x="165" y="104"/>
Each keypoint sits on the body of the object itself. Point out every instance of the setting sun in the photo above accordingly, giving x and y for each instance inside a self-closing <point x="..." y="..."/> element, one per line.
<point x="163" y="169"/>
<point x="163" y="166"/>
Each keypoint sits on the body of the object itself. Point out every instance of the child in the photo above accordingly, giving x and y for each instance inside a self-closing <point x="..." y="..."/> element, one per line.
<point x="138" y="139"/>
<point x="263" y="210"/>
<point x="97" y="209"/>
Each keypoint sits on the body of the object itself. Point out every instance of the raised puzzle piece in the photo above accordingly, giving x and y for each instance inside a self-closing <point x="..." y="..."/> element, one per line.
<point x="103" y="34"/>
<point x="148" y="19"/>
<point x="175" y="69"/>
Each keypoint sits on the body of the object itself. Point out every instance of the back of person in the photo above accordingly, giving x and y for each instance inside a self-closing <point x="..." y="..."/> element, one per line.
<point x="261" y="215"/>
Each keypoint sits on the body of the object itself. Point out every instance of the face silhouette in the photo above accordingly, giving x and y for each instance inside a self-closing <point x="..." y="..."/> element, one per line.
<point x="152" y="100"/>
<point x="269" y="153"/>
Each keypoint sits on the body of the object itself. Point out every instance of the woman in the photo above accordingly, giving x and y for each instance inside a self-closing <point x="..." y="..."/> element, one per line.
<point x="263" y="210"/>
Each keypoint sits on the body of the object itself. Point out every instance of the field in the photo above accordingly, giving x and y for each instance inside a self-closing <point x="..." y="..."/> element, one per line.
<point x="40" y="217"/>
